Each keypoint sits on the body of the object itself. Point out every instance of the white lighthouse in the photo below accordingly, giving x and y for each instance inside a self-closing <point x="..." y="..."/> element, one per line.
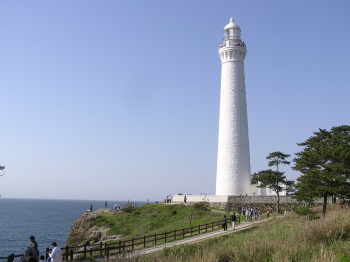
<point x="233" y="163"/>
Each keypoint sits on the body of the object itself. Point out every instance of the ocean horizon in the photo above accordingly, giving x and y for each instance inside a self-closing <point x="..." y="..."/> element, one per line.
<point x="48" y="220"/>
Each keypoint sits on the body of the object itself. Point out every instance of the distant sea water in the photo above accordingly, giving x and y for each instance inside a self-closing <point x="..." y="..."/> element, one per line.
<point x="48" y="220"/>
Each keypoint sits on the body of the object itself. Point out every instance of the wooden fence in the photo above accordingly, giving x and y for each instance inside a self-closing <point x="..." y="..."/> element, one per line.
<point x="100" y="250"/>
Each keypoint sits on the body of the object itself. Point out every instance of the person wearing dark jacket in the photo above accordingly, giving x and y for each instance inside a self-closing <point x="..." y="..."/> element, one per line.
<point x="32" y="239"/>
<point x="233" y="220"/>
<point x="224" y="223"/>
<point x="31" y="250"/>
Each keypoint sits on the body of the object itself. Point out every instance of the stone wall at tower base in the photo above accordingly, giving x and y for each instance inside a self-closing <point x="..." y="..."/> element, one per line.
<point x="232" y="203"/>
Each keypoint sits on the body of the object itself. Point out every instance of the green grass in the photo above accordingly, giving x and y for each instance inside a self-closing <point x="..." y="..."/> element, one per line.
<point x="292" y="239"/>
<point x="154" y="218"/>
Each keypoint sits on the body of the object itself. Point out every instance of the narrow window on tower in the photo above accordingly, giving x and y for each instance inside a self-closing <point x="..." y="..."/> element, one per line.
<point x="226" y="34"/>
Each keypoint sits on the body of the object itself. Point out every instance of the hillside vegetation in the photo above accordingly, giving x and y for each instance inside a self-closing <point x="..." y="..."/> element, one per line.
<point x="291" y="239"/>
<point x="154" y="218"/>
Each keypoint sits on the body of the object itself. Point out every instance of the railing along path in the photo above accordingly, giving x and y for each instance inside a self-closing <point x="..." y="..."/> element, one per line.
<point x="104" y="250"/>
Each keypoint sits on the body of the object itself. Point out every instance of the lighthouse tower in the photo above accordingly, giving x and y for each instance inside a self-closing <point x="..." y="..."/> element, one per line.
<point x="233" y="165"/>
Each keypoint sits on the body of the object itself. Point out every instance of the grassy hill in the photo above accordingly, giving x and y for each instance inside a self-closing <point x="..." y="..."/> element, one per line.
<point x="291" y="239"/>
<point x="154" y="218"/>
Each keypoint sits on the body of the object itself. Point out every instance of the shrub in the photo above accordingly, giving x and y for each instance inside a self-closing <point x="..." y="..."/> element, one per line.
<point x="128" y="209"/>
<point x="203" y="206"/>
<point x="311" y="216"/>
<point x="344" y="258"/>
<point x="302" y="211"/>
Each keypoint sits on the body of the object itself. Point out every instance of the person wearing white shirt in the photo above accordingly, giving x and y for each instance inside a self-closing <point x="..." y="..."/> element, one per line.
<point x="56" y="254"/>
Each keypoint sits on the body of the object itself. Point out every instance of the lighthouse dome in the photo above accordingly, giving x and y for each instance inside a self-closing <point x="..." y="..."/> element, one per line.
<point x="232" y="24"/>
<point x="232" y="31"/>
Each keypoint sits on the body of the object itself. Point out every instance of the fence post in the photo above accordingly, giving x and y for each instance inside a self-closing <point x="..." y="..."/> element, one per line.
<point x="107" y="253"/>
<point x="183" y="233"/>
<point x="155" y="239"/>
<point x="175" y="234"/>
<point x="67" y="253"/>
<point x="199" y="229"/>
<point x="165" y="236"/>
<point x="71" y="255"/>
<point x="85" y="251"/>
<point x="144" y="241"/>
<point x="120" y="246"/>
<point x="90" y="251"/>
<point x="11" y="258"/>
<point x="191" y="230"/>
<point x="106" y="249"/>
<point x="206" y="227"/>
<point x="132" y="244"/>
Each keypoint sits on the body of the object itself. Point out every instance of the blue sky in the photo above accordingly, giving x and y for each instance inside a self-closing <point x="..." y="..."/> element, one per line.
<point x="117" y="100"/>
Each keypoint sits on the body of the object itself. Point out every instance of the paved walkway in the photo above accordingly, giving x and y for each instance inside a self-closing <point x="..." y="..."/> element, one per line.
<point x="194" y="239"/>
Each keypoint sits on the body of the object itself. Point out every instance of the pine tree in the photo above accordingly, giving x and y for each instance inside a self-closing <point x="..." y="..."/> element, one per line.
<point x="2" y="168"/>
<point x="325" y="164"/>
<point x="273" y="180"/>
<point x="278" y="158"/>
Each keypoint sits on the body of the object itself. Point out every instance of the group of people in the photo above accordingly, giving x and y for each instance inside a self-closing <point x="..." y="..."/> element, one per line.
<point x="120" y="207"/>
<point x="117" y="207"/>
<point x="32" y="253"/>
<point x="253" y="214"/>
<point x="167" y="199"/>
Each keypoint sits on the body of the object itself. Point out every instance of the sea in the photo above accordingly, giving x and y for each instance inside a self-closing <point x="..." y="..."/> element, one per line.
<point x="48" y="220"/>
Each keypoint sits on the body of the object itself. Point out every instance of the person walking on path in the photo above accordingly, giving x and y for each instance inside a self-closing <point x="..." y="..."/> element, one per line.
<point x="56" y="254"/>
<point x="247" y="215"/>
<point x="233" y="220"/>
<point x="90" y="207"/>
<point x="224" y="223"/>
<point x="106" y="204"/>
<point x="267" y="213"/>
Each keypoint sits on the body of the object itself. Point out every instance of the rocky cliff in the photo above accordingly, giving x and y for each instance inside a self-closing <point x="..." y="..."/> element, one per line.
<point x="83" y="229"/>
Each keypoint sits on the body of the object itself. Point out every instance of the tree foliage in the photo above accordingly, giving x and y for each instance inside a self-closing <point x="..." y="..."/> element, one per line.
<point x="290" y="187"/>
<point x="270" y="179"/>
<point x="325" y="165"/>
<point x="274" y="180"/>
<point x="2" y="168"/>
<point x="278" y="158"/>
